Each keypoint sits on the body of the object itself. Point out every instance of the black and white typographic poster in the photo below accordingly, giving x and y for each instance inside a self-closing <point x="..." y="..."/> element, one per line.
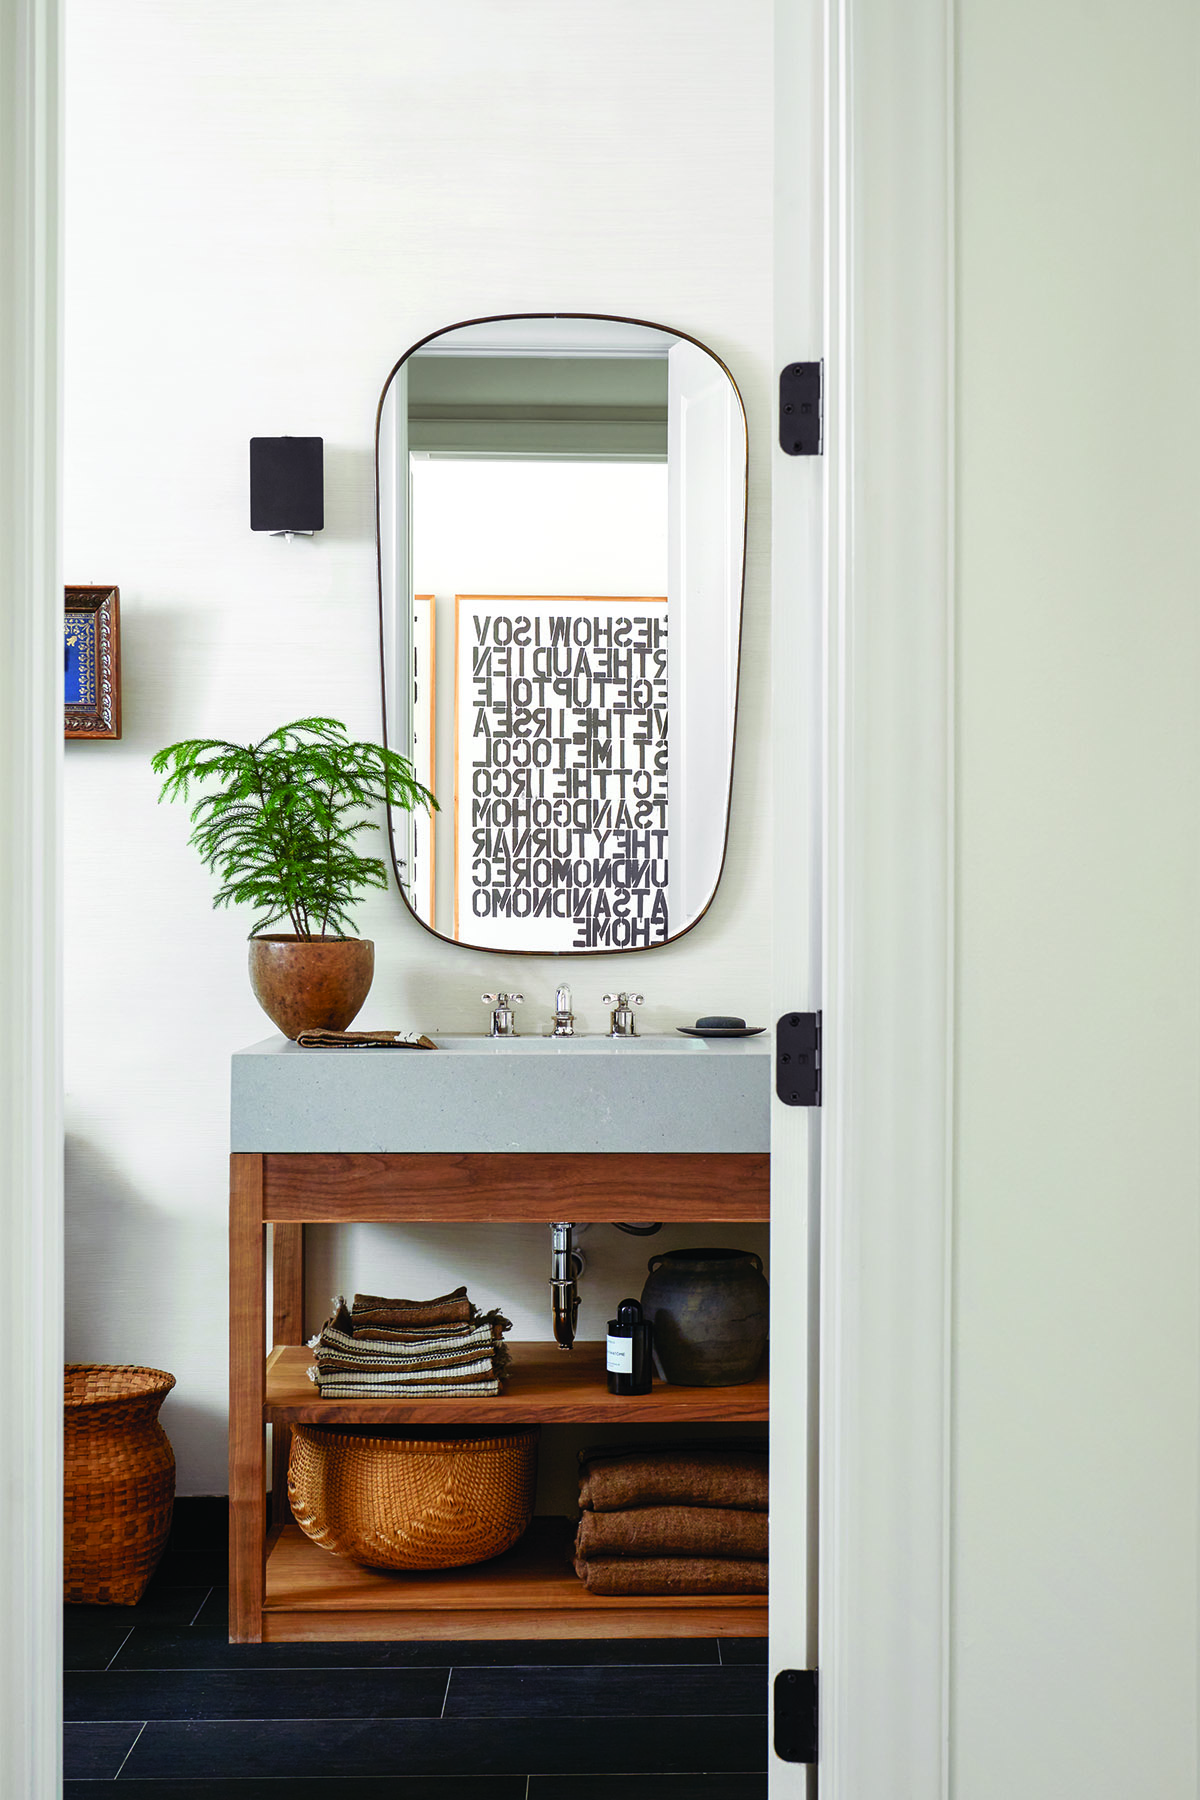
<point x="561" y="830"/>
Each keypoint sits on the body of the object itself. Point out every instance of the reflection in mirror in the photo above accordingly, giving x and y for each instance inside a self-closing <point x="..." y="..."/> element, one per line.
<point x="561" y="514"/>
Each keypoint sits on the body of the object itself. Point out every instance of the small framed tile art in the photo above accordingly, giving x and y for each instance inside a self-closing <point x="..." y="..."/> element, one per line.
<point x="92" y="662"/>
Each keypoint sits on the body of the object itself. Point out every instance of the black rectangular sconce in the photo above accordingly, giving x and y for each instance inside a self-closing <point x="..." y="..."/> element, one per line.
<point x="287" y="485"/>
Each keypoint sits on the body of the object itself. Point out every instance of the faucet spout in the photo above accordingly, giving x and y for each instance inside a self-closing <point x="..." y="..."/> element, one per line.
<point x="565" y="1266"/>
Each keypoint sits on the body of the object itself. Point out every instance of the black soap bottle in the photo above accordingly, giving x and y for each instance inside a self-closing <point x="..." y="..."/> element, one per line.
<point x="628" y="1356"/>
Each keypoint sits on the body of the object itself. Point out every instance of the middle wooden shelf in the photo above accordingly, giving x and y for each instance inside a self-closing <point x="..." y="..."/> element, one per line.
<point x="545" y="1385"/>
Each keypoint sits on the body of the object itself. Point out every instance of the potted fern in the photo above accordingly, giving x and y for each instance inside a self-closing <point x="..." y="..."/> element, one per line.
<point x="278" y="828"/>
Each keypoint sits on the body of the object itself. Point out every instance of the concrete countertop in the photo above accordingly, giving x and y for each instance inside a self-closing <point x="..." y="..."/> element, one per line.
<point x="533" y="1094"/>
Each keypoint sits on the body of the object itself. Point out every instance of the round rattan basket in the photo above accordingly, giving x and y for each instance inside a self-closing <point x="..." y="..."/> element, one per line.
<point x="118" y="1481"/>
<point x="401" y="1500"/>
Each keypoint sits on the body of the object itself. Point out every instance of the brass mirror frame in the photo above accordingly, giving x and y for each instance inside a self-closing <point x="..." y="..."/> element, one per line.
<point x="611" y="319"/>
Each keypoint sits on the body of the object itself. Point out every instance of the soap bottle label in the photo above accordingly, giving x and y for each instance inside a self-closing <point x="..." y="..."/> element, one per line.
<point x="620" y="1356"/>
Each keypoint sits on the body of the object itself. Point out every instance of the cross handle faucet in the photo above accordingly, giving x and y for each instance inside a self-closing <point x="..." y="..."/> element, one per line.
<point x="504" y="1020"/>
<point x="623" y="1025"/>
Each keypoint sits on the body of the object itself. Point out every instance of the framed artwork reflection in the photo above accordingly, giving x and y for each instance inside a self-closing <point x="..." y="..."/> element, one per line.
<point x="561" y="772"/>
<point x="92" y="662"/>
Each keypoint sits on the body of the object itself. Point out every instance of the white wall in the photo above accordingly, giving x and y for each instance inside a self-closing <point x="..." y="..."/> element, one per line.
<point x="266" y="205"/>
<point x="1076" y="1306"/>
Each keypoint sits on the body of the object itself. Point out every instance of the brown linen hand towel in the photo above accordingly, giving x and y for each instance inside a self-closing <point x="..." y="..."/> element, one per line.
<point x="371" y="1379"/>
<point x="667" y="1476"/>
<point x="410" y="1390"/>
<point x="691" y="1531"/>
<point x="408" y="1365"/>
<point x="482" y="1337"/>
<point x="373" y="1302"/>
<point x="619" y="1575"/>
<point x="365" y="1040"/>
<point x="416" y="1334"/>
<point x="371" y="1311"/>
<point x="479" y="1322"/>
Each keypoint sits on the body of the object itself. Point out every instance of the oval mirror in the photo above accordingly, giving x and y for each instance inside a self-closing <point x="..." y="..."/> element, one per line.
<point x="561" y="505"/>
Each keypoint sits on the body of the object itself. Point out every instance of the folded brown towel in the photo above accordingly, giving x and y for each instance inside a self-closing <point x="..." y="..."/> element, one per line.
<point x="691" y="1531"/>
<point x="335" y="1360"/>
<point x="392" y="1302"/>
<point x="417" y="1334"/>
<point x="669" y="1475"/>
<point x="462" y="1356"/>
<point x="365" y="1040"/>
<point x="353" y="1389"/>
<point x="464" y="1376"/>
<point x="672" y="1575"/>
<point x="371" y="1352"/>
<point x="371" y="1311"/>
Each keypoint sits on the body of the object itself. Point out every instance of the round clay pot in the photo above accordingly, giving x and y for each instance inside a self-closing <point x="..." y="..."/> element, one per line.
<point x="311" y="984"/>
<point x="709" y="1309"/>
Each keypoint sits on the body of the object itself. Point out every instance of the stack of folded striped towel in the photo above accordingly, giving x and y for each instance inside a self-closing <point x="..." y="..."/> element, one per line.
<point x="387" y="1348"/>
<point x="674" y="1519"/>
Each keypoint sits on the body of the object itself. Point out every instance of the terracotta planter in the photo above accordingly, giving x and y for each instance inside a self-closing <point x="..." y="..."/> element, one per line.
<point x="311" y="984"/>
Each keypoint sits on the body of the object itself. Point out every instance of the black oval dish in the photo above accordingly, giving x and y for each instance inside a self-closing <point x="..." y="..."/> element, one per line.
<point x="722" y="1031"/>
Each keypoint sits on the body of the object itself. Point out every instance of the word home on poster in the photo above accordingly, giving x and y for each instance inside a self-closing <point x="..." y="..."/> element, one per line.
<point x="561" y="763"/>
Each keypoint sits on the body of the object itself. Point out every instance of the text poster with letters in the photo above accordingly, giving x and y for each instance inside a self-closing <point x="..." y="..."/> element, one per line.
<point x="561" y="747"/>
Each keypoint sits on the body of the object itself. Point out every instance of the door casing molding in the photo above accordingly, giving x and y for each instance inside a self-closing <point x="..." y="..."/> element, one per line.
<point x="31" y="734"/>
<point x="889" y="873"/>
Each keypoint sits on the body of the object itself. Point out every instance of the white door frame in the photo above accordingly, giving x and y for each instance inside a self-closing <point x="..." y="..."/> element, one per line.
<point x="875" y="949"/>
<point x="31" y="1263"/>
<point x="881" y="501"/>
<point x="889" y="882"/>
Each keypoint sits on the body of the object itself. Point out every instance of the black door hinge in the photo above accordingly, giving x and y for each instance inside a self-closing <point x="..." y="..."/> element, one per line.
<point x="796" y="1715"/>
<point x="800" y="408"/>
<point x="798" y="1059"/>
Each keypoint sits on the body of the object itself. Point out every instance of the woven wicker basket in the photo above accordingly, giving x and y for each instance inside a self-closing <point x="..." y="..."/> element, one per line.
<point x="403" y="1501"/>
<point x="118" y="1481"/>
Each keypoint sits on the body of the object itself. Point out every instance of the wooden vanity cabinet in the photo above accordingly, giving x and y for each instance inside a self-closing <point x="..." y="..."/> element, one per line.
<point x="284" y="1588"/>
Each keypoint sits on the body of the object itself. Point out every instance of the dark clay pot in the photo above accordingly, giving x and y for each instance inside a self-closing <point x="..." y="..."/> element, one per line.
<point x="709" y="1309"/>
<point x="311" y="984"/>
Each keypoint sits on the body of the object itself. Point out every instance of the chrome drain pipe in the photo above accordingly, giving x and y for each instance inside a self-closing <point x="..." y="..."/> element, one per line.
<point x="566" y="1265"/>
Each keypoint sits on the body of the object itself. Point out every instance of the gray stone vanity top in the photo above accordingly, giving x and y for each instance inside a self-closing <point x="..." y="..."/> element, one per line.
<point x="518" y="1094"/>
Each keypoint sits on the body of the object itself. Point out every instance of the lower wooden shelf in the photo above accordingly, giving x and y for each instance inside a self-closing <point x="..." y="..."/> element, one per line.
<point x="545" y="1386"/>
<point x="531" y="1592"/>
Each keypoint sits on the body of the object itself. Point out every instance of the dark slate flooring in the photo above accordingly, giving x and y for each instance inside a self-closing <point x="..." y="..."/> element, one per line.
<point x="158" y="1698"/>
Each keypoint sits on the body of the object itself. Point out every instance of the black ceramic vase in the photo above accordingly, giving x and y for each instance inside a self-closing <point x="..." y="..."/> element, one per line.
<point x="709" y="1310"/>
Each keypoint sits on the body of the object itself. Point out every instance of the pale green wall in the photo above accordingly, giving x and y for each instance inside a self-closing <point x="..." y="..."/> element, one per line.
<point x="1076" y="1395"/>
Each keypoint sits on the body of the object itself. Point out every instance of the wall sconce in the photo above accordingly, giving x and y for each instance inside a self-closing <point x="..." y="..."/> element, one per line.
<point x="287" y="485"/>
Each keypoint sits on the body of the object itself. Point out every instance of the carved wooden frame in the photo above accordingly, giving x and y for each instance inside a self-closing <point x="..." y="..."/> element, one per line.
<point x="103" y="720"/>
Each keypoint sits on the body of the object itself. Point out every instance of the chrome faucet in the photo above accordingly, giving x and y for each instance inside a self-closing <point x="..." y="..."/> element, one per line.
<point x="566" y="1265"/>
<point x="504" y="1020"/>
<point x="564" y="1018"/>
<point x="622" y="1016"/>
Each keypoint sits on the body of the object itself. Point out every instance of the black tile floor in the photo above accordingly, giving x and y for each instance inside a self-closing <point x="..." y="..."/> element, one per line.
<point x="157" y="1697"/>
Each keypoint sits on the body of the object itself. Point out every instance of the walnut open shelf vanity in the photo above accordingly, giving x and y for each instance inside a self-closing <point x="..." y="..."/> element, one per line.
<point x="331" y="1137"/>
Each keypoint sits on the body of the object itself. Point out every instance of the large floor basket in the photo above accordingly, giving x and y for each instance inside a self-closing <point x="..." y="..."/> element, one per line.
<point x="118" y="1481"/>
<point x="401" y="1500"/>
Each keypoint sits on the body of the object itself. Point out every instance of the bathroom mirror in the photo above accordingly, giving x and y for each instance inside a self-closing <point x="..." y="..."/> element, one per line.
<point x="561" y="506"/>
